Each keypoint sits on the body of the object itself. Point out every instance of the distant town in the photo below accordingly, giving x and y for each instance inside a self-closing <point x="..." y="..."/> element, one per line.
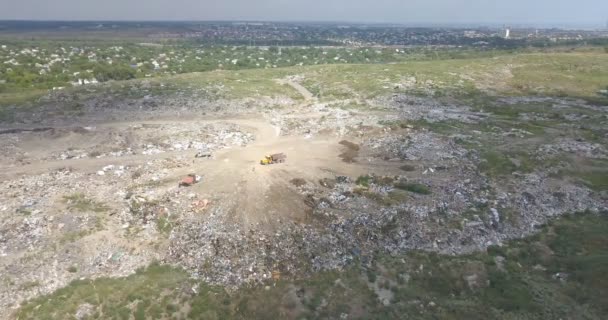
<point x="273" y="33"/>
<point x="54" y="55"/>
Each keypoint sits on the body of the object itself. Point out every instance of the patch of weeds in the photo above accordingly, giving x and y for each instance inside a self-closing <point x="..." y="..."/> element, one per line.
<point x="79" y="202"/>
<point x="298" y="182"/>
<point x="69" y="237"/>
<point x="149" y="184"/>
<point x="136" y="174"/>
<point x="395" y="124"/>
<point x="441" y="127"/>
<point x="327" y="183"/>
<point x="364" y="192"/>
<point x="390" y="199"/>
<point x="151" y="288"/>
<point x="389" y="227"/>
<point x="355" y="106"/>
<point x="593" y="135"/>
<point x="512" y="111"/>
<point x="72" y="269"/>
<point x="364" y="181"/>
<point x="371" y="275"/>
<point x="413" y="187"/>
<point x="408" y="168"/>
<point x="595" y="179"/>
<point x="24" y="211"/>
<point x="144" y="209"/>
<point x="6" y="280"/>
<point x="164" y="225"/>
<point x="396" y="197"/>
<point x="6" y="115"/>
<point x="94" y="154"/>
<point x="600" y="100"/>
<point x="383" y="180"/>
<point x="509" y="293"/>
<point x="367" y="180"/>
<point x="30" y="285"/>
<point x="496" y="164"/>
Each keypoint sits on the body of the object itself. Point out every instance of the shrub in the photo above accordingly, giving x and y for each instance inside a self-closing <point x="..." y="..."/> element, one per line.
<point x="413" y="187"/>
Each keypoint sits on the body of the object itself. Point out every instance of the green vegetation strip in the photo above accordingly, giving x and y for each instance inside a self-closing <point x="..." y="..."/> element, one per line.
<point x="579" y="74"/>
<point x="80" y="202"/>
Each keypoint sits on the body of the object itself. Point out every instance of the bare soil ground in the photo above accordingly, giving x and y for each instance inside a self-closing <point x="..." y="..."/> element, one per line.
<point x="233" y="173"/>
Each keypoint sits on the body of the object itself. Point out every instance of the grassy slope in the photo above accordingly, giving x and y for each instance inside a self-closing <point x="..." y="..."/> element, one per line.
<point x="422" y="285"/>
<point x="579" y="74"/>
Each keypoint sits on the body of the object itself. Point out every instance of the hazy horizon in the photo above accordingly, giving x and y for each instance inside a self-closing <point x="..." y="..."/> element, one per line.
<point x="370" y="23"/>
<point x="583" y="13"/>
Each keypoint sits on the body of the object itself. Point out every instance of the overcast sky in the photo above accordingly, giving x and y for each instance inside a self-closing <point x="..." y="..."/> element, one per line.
<point x="575" y="12"/>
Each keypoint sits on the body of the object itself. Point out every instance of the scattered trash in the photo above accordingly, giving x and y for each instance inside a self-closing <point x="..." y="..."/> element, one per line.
<point x="561" y="276"/>
<point x="199" y="206"/>
<point x="276" y="275"/>
<point x="151" y="150"/>
<point x="203" y="154"/>
<point x="118" y="170"/>
<point x="190" y="180"/>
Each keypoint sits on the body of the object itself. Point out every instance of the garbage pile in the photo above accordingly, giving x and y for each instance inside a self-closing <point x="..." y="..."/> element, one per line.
<point x="417" y="146"/>
<point x="579" y="147"/>
<point x="458" y="217"/>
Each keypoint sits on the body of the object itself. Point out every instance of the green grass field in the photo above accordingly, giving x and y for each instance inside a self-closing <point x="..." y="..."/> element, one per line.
<point x="578" y="74"/>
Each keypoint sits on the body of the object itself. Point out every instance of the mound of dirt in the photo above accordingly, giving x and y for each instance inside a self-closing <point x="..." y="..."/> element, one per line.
<point x="351" y="152"/>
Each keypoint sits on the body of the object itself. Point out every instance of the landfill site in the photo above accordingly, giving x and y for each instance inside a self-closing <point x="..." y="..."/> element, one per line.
<point x="239" y="194"/>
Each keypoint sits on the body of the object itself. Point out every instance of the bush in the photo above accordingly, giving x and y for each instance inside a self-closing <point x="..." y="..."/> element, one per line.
<point x="106" y="72"/>
<point x="80" y="202"/>
<point x="408" y="168"/>
<point x="413" y="187"/>
<point x="364" y="181"/>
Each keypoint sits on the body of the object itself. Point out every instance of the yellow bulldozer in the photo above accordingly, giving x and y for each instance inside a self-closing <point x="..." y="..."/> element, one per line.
<point x="273" y="158"/>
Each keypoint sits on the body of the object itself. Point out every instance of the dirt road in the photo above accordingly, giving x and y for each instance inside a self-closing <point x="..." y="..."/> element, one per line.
<point x="305" y="93"/>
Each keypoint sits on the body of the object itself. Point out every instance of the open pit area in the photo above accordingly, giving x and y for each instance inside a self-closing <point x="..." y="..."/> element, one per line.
<point x="422" y="189"/>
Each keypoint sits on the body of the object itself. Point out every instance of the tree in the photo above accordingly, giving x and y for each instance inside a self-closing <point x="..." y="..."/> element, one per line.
<point x="105" y="72"/>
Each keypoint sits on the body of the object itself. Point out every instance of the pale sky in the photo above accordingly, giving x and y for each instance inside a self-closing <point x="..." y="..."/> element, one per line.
<point x="529" y="12"/>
